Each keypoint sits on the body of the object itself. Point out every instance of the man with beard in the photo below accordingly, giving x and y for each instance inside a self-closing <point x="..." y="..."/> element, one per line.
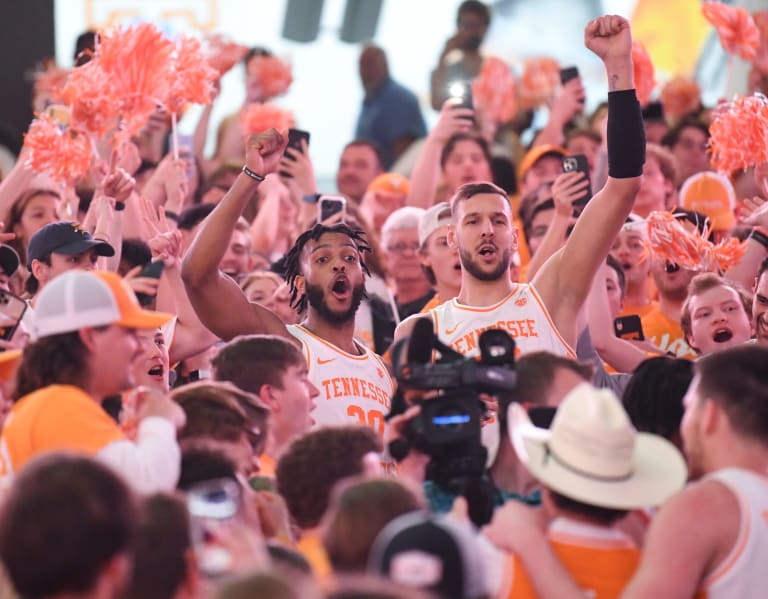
<point x="542" y="316"/>
<point x="359" y="165"/>
<point x="326" y="273"/>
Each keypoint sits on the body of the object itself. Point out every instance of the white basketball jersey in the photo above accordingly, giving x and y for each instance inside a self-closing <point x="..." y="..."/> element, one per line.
<point x="743" y="574"/>
<point x="353" y="389"/>
<point x="521" y="314"/>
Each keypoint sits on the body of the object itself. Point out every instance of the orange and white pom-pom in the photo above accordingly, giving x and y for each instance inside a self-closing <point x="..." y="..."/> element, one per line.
<point x="739" y="134"/>
<point x="223" y="54"/>
<point x="273" y="75"/>
<point x="51" y="79"/>
<point x="541" y="76"/>
<point x="735" y="27"/>
<point x="260" y="117"/>
<point x="645" y="75"/>
<point x="87" y="93"/>
<point x="192" y="78"/>
<point x="137" y="61"/>
<point x="62" y="152"/>
<point x="493" y="91"/>
<point x="680" y="96"/>
<point x="670" y="240"/>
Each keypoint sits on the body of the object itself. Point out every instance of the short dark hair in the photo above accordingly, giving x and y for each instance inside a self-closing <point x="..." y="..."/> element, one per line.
<point x="368" y="144"/>
<point x="470" y="190"/>
<point x="200" y="464"/>
<point x="616" y="266"/>
<point x="254" y="52"/>
<point x="193" y="216"/>
<point x="135" y="252"/>
<point x="672" y="136"/>
<point x="159" y="556"/>
<point x="56" y="360"/>
<point x="466" y="136"/>
<point x="474" y="7"/>
<point x="212" y="411"/>
<point x="653" y="398"/>
<point x="736" y="379"/>
<point x="315" y="462"/>
<point x="601" y="515"/>
<point x="65" y="518"/>
<point x="250" y="361"/>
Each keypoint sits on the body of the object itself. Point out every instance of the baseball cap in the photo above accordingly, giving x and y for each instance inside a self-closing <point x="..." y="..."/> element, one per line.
<point x="711" y="194"/>
<point x="535" y="154"/>
<point x="64" y="237"/>
<point x="9" y="259"/>
<point x="78" y="299"/>
<point x="432" y="553"/>
<point x="391" y="182"/>
<point x="435" y="217"/>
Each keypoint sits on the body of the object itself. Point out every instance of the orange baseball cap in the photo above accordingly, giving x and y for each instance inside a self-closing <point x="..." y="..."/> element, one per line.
<point x="535" y="154"/>
<point x="78" y="299"/>
<point x="711" y="194"/>
<point x="391" y="182"/>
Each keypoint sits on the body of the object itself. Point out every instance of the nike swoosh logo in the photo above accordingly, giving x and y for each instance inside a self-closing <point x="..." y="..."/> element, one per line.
<point x="320" y="361"/>
<point x="451" y="331"/>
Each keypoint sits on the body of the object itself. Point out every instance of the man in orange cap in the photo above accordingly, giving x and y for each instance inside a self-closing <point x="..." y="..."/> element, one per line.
<point x="85" y="331"/>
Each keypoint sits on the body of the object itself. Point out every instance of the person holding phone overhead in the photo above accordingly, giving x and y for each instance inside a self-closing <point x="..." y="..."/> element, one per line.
<point x="326" y="274"/>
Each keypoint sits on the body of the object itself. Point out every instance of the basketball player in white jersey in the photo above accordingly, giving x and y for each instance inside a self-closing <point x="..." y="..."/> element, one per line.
<point x="543" y="315"/>
<point x="710" y="540"/>
<point x="326" y="273"/>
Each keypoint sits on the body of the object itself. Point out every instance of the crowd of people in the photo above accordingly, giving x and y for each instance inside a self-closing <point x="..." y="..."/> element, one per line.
<point x="204" y="376"/>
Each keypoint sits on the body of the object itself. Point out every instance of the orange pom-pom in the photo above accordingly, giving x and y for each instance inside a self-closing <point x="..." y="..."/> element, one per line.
<point x="224" y="54"/>
<point x="645" y="79"/>
<point x="191" y="76"/>
<point x="260" y="117"/>
<point x="137" y="60"/>
<point x="739" y="134"/>
<point x="735" y="27"/>
<point x="493" y="91"/>
<point x="51" y="79"/>
<point x="541" y="76"/>
<point x="680" y="96"/>
<point x="62" y="152"/>
<point x="87" y="93"/>
<point x="670" y="240"/>
<point x="274" y="75"/>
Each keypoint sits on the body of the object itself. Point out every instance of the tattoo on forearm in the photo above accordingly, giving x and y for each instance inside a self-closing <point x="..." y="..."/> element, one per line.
<point x="613" y="83"/>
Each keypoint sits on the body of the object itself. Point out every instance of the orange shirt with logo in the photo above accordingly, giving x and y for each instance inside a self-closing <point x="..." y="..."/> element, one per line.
<point x="666" y="334"/>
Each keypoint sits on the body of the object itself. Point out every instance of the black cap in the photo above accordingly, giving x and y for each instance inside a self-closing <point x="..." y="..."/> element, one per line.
<point x="67" y="238"/>
<point x="9" y="259"/>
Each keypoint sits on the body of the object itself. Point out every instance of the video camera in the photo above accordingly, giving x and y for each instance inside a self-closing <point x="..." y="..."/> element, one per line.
<point x="448" y="427"/>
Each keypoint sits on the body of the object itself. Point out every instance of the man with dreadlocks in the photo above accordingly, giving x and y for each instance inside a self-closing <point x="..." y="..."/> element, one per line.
<point x="326" y="273"/>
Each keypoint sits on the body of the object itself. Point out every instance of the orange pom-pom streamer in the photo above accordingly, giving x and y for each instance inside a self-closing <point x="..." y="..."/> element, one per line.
<point x="493" y="91"/>
<point x="274" y="75"/>
<point x="670" y="240"/>
<point x="645" y="77"/>
<point x="680" y="96"/>
<point x="51" y="79"/>
<point x="136" y="60"/>
<point x="62" y="152"/>
<point x="735" y="27"/>
<point x="191" y="76"/>
<point x="541" y="76"/>
<point x="739" y="134"/>
<point x="260" y="117"/>
<point x="224" y="54"/>
<point x="87" y="93"/>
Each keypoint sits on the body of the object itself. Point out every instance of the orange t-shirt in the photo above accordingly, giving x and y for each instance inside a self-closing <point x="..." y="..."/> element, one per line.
<point x="55" y="418"/>
<point x="311" y="547"/>
<point x="601" y="560"/>
<point x="641" y="311"/>
<point x="666" y="334"/>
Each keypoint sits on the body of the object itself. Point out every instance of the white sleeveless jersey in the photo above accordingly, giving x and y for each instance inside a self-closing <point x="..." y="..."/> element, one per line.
<point x="521" y="314"/>
<point x="353" y="389"/>
<point x="743" y="574"/>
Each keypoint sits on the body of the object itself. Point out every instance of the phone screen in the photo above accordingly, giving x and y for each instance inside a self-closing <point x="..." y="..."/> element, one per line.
<point x="629" y="328"/>
<point x="329" y="206"/>
<point x="12" y="309"/>
<point x="579" y="163"/>
<point x="463" y="91"/>
<point x="568" y="73"/>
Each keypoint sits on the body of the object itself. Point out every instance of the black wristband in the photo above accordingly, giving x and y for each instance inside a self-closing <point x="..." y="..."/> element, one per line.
<point x="759" y="237"/>
<point x="119" y="206"/>
<point x="626" y="135"/>
<point x="172" y="215"/>
<point x="253" y="175"/>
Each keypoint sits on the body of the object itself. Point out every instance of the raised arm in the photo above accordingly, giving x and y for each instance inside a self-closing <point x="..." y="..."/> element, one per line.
<point x="565" y="280"/>
<point x="218" y="301"/>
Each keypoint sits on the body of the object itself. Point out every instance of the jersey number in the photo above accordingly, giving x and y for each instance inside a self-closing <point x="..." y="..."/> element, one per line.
<point x="374" y="419"/>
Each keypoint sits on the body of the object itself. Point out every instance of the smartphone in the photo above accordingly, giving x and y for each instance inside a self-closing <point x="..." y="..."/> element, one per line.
<point x="214" y="508"/>
<point x="152" y="270"/>
<point x="12" y="308"/>
<point x="629" y="328"/>
<point x="567" y="74"/>
<point x="463" y="91"/>
<point x="295" y="136"/>
<point x="328" y="206"/>
<point x="579" y="163"/>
